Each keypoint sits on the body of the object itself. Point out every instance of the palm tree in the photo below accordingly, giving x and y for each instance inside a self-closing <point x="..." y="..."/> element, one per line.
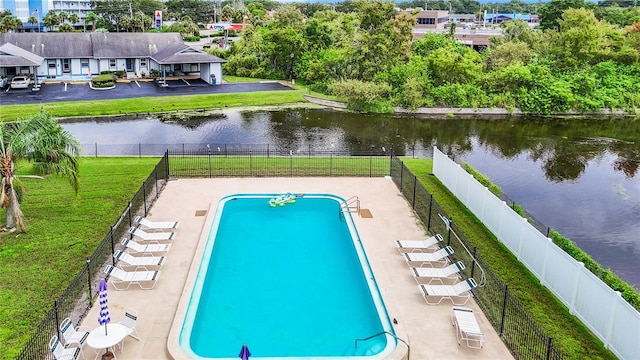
<point x="74" y="18"/>
<point x="43" y="142"/>
<point x="32" y="20"/>
<point x="91" y="17"/>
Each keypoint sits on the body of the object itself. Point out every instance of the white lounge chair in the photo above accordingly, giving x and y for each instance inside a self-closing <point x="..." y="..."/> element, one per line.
<point x="155" y="225"/>
<point x="154" y="236"/>
<point x="461" y="290"/>
<point x="419" y="245"/>
<point x="450" y="272"/>
<point x="467" y="327"/>
<point x="76" y="336"/>
<point x="117" y="277"/>
<point x="129" y="321"/>
<point x="145" y="260"/>
<point x="62" y="353"/>
<point x="145" y="248"/>
<point x="440" y="256"/>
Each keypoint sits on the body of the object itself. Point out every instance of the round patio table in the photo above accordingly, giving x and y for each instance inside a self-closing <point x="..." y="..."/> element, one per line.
<point x="98" y="340"/>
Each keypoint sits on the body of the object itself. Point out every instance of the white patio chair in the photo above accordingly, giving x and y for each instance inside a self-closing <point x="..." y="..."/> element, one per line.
<point x="129" y="321"/>
<point x="154" y="236"/>
<point x="440" y="256"/>
<point x="145" y="260"/>
<point x="431" y="243"/>
<point x="461" y="291"/>
<point x="62" y="353"/>
<point x="450" y="272"/>
<point x="467" y="327"/>
<point x="145" y="248"/>
<point x="155" y="225"/>
<point x="118" y="277"/>
<point x="73" y="335"/>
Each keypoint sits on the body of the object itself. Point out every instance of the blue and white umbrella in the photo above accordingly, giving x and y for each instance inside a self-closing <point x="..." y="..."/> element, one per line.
<point x="244" y="352"/>
<point x="104" y="318"/>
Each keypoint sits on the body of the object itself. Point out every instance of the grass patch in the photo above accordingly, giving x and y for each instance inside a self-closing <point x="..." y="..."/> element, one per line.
<point x="569" y="334"/>
<point x="145" y="105"/>
<point x="63" y="231"/>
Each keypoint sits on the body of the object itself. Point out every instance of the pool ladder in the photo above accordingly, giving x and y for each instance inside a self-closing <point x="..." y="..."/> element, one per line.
<point x="388" y="333"/>
<point x="352" y="204"/>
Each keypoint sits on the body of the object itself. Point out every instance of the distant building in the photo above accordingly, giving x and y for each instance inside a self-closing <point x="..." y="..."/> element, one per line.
<point x="432" y="19"/>
<point x="23" y="9"/>
<point x="498" y="18"/>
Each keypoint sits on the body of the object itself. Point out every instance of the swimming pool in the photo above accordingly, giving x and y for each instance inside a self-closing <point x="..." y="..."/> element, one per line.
<point x="290" y="280"/>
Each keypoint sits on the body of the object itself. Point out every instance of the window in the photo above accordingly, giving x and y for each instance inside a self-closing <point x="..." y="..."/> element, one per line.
<point x="51" y="64"/>
<point x="66" y="65"/>
<point x="143" y="63"/>
<point x="84" y="62"/>
<point x="426" y="21"/>
<point x="112" y="64"/>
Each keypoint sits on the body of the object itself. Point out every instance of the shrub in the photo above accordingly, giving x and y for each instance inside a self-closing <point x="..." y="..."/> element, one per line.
<point x="103" y="81"/>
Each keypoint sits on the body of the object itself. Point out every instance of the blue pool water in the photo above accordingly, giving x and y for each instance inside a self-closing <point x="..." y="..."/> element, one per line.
<point x="289" y="281"/>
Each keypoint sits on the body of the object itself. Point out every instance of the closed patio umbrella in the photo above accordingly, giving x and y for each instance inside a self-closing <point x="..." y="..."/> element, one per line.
<point x="244" y="352"/>
<point x="104" y="317"/>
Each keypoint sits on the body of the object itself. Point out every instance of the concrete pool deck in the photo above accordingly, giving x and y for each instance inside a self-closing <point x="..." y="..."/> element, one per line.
<point x="427" y="328"/>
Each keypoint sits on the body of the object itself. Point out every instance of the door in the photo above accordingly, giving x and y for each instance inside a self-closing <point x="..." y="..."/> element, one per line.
<point x="129" y="64"/>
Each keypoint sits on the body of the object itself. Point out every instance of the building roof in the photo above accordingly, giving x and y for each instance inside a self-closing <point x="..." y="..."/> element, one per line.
<point x="167" y="47"/>
<point x="12" y="55"/>
<point x="183" y="54"/>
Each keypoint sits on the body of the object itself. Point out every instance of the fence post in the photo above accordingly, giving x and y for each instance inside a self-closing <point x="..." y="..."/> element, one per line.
<point x="473" y="263"/>
<point x="89" y="279"/>
<point x="139" y="150"/>
<point x="430" y="208"/>
<point x="413" y="199"/>
<point x="401" y="173"/>
<point x="155" y="183"/>
<point x="209" y="157"/>
<point x="548" y="348"/>
<point x="96" y="147"/>
<point x="290" y="162"/>
<point x="144" y="197"/>
<point x="55" y="310"/>
<point x="250" y="164"/>
<point x="166" y="164"/>
<point x="331" y="163"/>
<point x="504" y="309"/>
<point x="390" y="161"/>
<point x="267" y="151"/>
<point x="113" y="248"/>
<point x="449" y="225"/>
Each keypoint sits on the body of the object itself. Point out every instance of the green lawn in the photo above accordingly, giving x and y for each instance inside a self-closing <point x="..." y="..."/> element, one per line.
<point x="62" y="232"/>
<point x="569" y="334"/>
<point x="145" y="105"/>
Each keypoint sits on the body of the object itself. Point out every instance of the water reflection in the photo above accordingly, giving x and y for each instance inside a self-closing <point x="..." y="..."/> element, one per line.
<point x="579" y="176"/>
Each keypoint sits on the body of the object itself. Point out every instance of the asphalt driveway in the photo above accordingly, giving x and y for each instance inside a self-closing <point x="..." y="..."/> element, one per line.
<point x="76" y="92"/>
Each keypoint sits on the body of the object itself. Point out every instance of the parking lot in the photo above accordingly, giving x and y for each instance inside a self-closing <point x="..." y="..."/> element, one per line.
<point x="55" y="92"/>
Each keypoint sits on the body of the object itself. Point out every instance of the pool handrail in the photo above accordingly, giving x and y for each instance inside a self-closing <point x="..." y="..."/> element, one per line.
<point x="388" y="333"/>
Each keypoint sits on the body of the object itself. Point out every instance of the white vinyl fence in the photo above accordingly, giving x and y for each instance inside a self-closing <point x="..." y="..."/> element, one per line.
<point x="600" y="308"/>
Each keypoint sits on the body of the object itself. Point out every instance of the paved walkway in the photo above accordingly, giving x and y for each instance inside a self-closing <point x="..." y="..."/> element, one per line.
<point x="426" y="328"/>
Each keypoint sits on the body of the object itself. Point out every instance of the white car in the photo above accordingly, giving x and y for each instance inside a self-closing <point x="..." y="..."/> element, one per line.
<point x="20" y="82"/>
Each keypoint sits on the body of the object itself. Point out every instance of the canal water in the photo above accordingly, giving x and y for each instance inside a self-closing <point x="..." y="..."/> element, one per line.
<point x="580" y="177"/>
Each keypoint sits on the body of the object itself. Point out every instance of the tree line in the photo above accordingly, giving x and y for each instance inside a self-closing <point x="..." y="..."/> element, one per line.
<point x="368" y="56"/>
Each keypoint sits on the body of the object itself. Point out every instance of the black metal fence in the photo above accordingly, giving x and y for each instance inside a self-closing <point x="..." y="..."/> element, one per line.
<point x="77" y="299"/>
<point x="241" y="162"/>
<point x="519" y="332"/>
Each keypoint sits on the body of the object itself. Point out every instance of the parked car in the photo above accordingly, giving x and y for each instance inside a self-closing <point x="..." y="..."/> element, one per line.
<point x="20" y="82"/>
<point x="4" y="81"/>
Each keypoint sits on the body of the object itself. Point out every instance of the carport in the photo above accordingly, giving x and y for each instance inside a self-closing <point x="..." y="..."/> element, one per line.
<point x="180" y="61"/>
<point x="13" y="60"/>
